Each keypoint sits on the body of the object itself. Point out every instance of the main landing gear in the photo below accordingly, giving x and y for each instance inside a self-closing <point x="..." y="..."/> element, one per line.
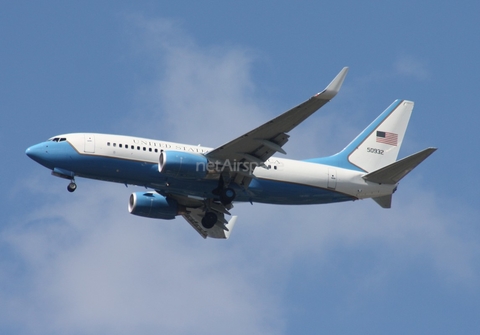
<point x="72" y="186"/>
<point x="209" y="220"/>
<point x="226" y="194"/>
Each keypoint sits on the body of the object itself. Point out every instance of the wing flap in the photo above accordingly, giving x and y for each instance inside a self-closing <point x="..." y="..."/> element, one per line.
<point x="221" y="230"/>
<point x="194" y="210"/>
<point x="196" y="223"/>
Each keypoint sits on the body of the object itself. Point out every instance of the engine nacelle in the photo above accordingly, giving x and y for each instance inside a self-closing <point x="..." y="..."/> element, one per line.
<point x="152" y="205"/>
<point x="181" y="164"/>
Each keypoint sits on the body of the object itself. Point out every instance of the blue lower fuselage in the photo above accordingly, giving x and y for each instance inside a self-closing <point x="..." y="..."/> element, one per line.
<point x="62" y="157"/>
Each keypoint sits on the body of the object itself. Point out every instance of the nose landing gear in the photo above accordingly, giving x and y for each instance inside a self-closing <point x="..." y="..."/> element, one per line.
<point x="72" y="186"/>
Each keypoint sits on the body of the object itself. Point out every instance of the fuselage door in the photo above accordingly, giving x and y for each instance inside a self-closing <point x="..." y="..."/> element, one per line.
<point x="89" y="143"/>
<point x="332" y="178"/>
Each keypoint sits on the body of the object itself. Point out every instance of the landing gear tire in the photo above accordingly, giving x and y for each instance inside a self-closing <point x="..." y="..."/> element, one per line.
<point x="71" y="187"/>
<point x="209" y="220"/>
<point x="227" y="195"/>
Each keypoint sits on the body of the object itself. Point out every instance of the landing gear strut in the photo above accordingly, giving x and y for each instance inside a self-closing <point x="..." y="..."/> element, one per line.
<point x="209" y="220"/>
<point x="72" y="186"/>
<point x="226" y="194"/>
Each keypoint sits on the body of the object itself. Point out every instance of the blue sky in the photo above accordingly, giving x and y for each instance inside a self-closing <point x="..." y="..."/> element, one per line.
<point x="205" y="72"/>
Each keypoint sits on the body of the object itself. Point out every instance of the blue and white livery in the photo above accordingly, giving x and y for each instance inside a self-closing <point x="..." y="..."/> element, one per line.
<point x="201" y="184"/>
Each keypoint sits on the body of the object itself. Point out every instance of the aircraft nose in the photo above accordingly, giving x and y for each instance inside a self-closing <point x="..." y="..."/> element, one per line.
<point x="37" y="152"/>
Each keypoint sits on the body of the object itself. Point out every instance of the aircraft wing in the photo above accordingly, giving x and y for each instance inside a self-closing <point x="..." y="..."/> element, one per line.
<point x="195" y="210"/>
<point x="222" y="229"/>
<point x="255" y="147"/>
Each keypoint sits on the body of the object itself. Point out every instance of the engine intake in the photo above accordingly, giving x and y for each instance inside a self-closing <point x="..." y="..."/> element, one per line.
<point x="181" y="164"/>
<point x="153" y="205"/>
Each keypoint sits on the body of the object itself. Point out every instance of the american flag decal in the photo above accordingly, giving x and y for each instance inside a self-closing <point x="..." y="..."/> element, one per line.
<point x="387" y="138"/>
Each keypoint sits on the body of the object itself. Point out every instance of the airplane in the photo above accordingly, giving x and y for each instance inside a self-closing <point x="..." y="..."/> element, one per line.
<point x="201" y="184"/>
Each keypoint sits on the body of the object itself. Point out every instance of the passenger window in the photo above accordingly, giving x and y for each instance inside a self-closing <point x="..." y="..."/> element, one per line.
<point x="156" y="150"/>
<point x="114" y="145"/>
<point x="138" y="148"/>
<point x="120" y="145"/>
<point x="108" y="144"/>
<point x="144" y="149"/>
<point x="150" y="149"/>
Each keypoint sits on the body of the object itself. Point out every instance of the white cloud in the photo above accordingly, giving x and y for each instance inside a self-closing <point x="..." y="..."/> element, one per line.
<point x="411" y="67"/>
<point x="197" y="93"/>
<point x="95" y="269"/>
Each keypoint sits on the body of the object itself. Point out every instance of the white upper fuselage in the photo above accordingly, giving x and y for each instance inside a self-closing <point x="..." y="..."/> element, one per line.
<point x="126" y="159"/>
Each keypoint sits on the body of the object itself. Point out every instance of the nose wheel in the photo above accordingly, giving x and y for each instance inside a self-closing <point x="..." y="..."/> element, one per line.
<point x="72" y="186"/>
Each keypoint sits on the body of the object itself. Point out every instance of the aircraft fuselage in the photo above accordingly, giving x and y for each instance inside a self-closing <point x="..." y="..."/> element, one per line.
<point x="134" y="161"/>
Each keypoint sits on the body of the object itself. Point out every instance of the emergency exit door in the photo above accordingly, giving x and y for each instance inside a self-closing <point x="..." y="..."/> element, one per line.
<point x="332" y="178"/>
<point x="89" y="143"/>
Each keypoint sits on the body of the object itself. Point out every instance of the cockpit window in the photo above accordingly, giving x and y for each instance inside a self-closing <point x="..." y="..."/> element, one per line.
<point x="57" y="139"/>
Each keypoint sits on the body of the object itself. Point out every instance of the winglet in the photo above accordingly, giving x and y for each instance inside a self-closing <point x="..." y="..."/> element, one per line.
<point x="332" y="89"/>
<point x="229" y="226"/>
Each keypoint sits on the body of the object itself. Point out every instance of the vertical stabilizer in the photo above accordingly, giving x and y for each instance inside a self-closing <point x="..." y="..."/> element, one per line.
<point x="379" y="144"/>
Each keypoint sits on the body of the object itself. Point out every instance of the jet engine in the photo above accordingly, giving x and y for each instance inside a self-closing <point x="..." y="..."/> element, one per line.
<point x="181" y="164"/>
<point x="153" y="205"/>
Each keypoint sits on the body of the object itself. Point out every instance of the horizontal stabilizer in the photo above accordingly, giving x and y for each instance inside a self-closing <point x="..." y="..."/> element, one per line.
<point x="393" y="173"/>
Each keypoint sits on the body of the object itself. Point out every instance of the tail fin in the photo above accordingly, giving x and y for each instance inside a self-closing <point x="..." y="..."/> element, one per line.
<point x="379" y="144"/>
